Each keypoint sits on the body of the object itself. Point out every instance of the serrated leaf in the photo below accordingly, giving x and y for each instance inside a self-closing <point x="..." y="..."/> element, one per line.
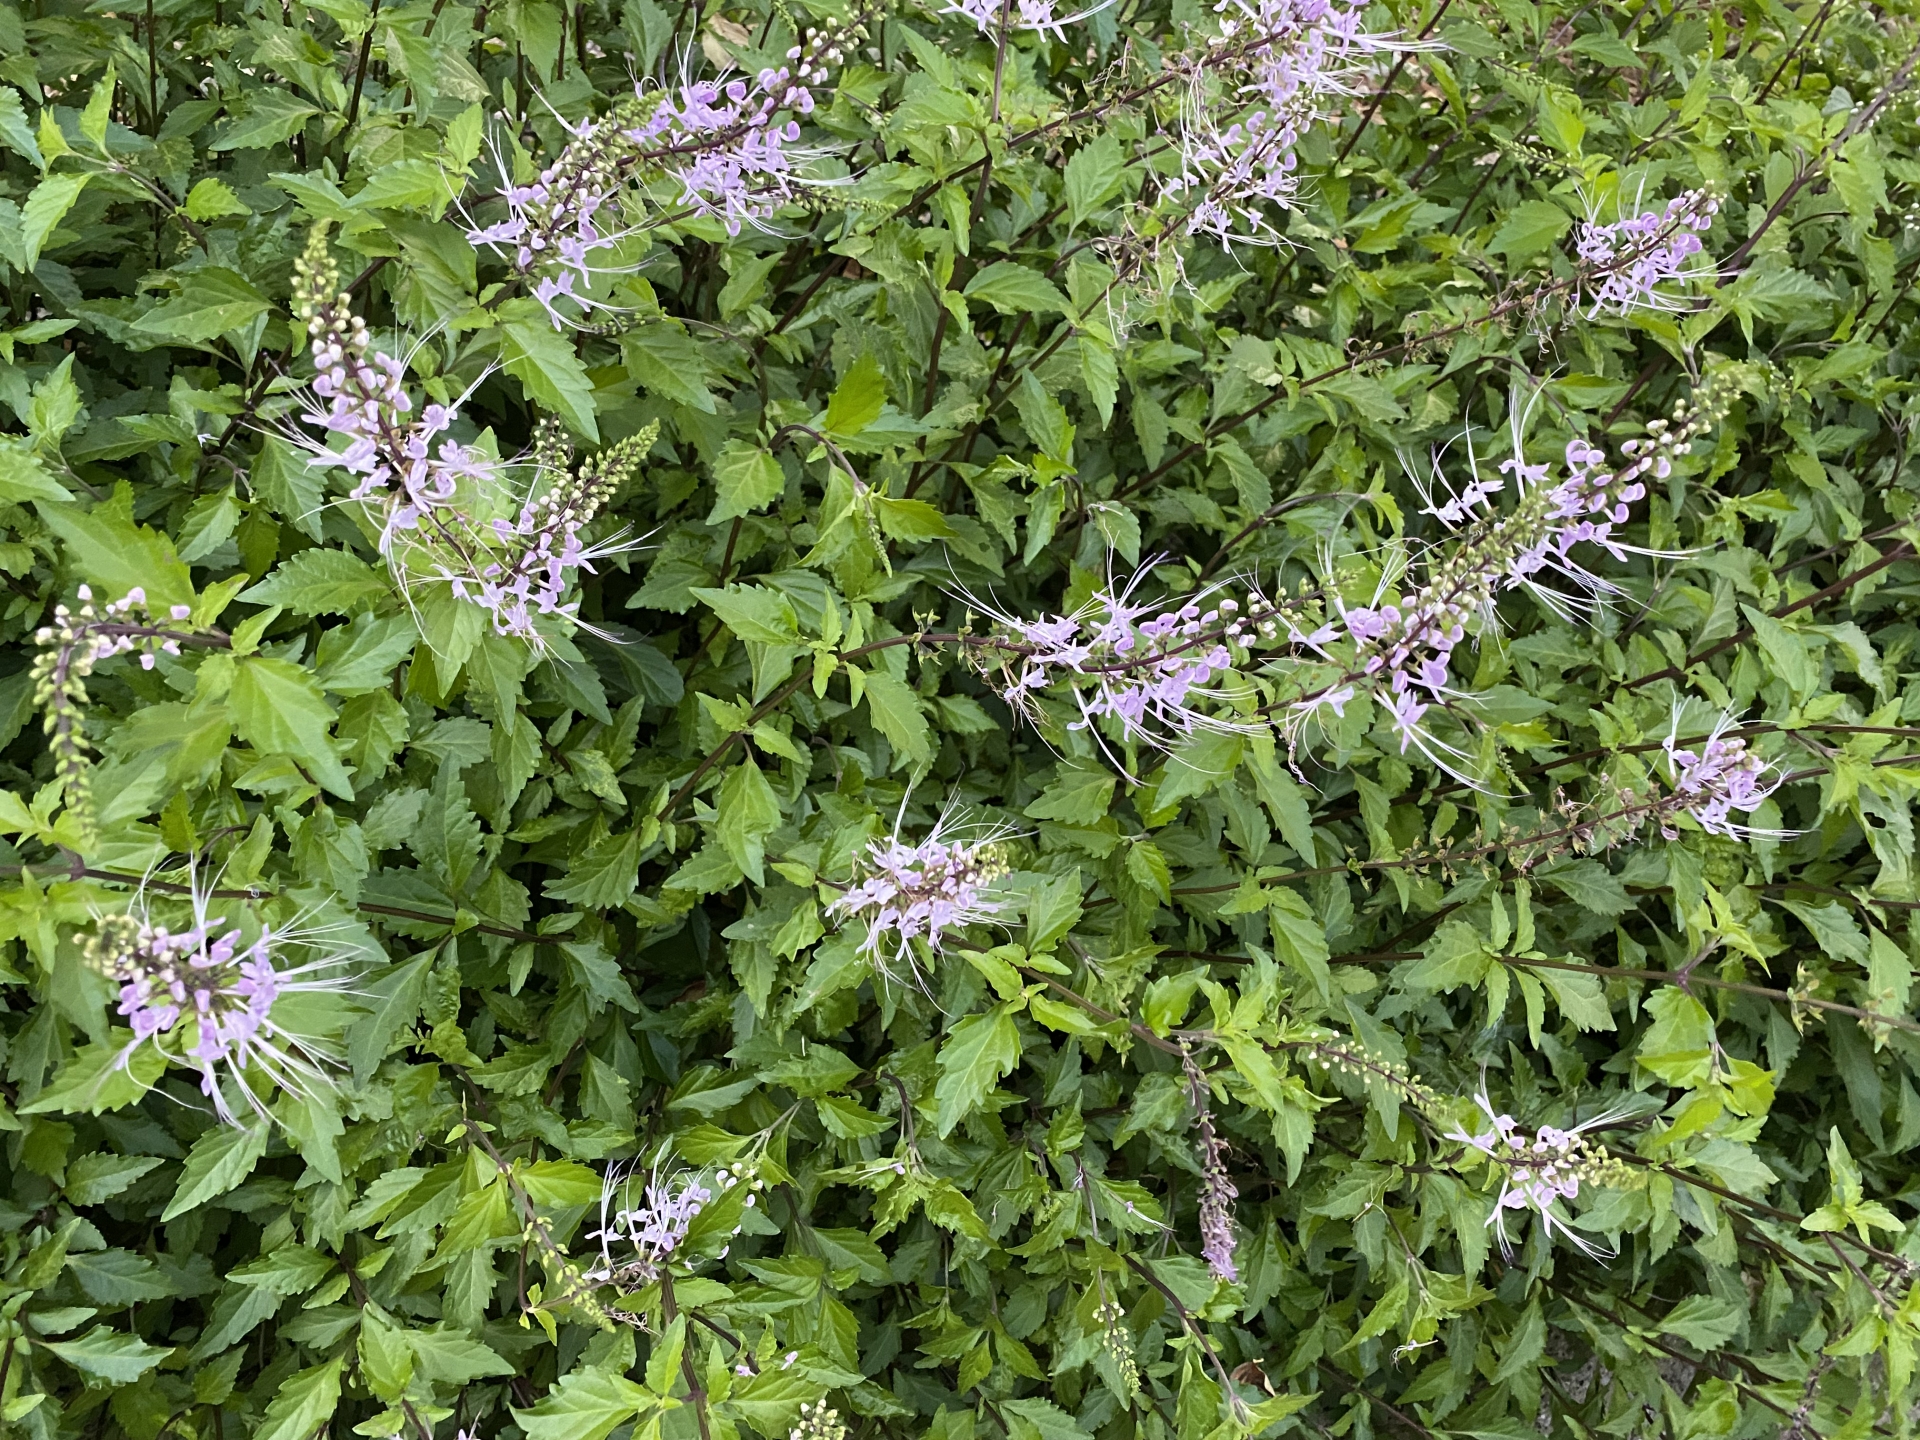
<point x="973" y="1056"/>
<point x="586" y="1405"/>
<point x="319" y="582"/>
<point x="303" y="1403"/>
<point x="46" y="207"/>
<point x="277" y="708"/>
<point x="108" y="1354"/>
<point x="1015" y="289"/>
<point x="218" y="1161"/>
<point x="211" y="302"/>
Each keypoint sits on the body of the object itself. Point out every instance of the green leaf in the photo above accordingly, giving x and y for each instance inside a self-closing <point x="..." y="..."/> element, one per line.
<point x="93" y="119"/>
<point x="1052" y="910"/>
<point x="393" y="1001"/>
<point x="24" y="478"/>
<point x="1037" y="1418"/>
<point x="1705" y="1322"/>
<point x="749" y="811"/>
<point x="753" y="612"/>
<point x="46" y="207"/>
<point x="665" y="359"/>
<point x="273" y="116"/>
<point x="452" y="1357"/>
<point x="15" y="133"/>
<point x="108" y="1354"/>
<point x="118" y="557"/>
<point x="1015" y="289"/>
<point x="319" y="582"/>
<point x="975" y="1054"/>
<point x="211" y="302"/>
<point x="304" y="1402"/>
<point x="896" y="713"/>
<point x="212" y="199"/>
<point x="1589" y="884"/>
<point x="361" y="657"/>
<point x="1530" y="227"/>
<point x="220" y="1159"/>
<point x="1094" y="176"/>
<point x="277" y="709"/>
<point x="1076" y="797"/>
<point x="93" y="1178"/>
<point x="543" y="360"/>
<point x="745" y="478"/>
<point x="858" y="398"/>
<point x="96" y="1080"/>
<point x="1677" y="1047"/>
<point x="603" y="876"/>
<point x="1300" y="939"/>
<point x="586" y="1405"/>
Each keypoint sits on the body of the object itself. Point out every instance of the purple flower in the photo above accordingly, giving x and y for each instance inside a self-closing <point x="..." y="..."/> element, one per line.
<point x="641" y="1236"/>
<point x="1721" y="777"/>
<point x="921" y="892"/>
<point x="520" y="570"/>
<point x="723" y="142"/>
<point x="1269" y="74"/>
<point x="1535" y="1172"/>
<point x="1021" y="15"/>
<point x="365" y="402"/>
<point x="204" y="997"/>
<point x="1402" y="651"/>
<point x="647" y="1232"/>
<point x="1633" y="256"/>
<point x="1144" y="667"/>
<point x="1217" y="1190"/>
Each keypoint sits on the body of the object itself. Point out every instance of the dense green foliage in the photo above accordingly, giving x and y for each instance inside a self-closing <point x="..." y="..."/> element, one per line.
<point x="570" y="889"/>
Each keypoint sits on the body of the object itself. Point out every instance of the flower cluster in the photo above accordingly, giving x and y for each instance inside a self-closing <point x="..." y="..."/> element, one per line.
<point x="363" y="399"/>
<point x="818" y="1421"/>
<point x="648" y="1235"/>
<point x="1714" y="781"/>
<point x="528" y="564"/>
<point x="1535" y="1172"/>
<point x="921" y="892"/>
<point x="1118" y="1342"/>
<point x="722" y="141"/>
<point x="1145" y="667"/>
<point x="1635" y="255"/>
<point x="1038" y="15"/>
<point x="1401" y="651"/>
<point x="204" y="997"/>
<point x="71" y="646"/>
<point x="1217" y="1190"/>
<point x="1266" y="76"/>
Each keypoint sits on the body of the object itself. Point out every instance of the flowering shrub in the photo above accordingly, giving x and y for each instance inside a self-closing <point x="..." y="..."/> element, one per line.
<point x="1132" y="721"/>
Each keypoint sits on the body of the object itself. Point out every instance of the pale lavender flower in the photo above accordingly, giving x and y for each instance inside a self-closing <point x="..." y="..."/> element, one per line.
<point x="365" y="401"/>
<point x="1037" y="15"/>
<point x="723" y="141"/>
<point x="204" y="997"/>
<point x="646" y="1233"/>
<point x="1537" y="1171"/>
<point x="1267" y="75"/>
<point x="641" y="1236"/>
<point x="519" y="570"/>
<point x="1638" y="253"/>
<point x="1217" y="1190"/>
<point x="922" y="892"/>
<point x="1719" y="778"/>
<point x="1401" y="651"/>
<point x="120" y="627"/>
<point x="1145" y="667"/>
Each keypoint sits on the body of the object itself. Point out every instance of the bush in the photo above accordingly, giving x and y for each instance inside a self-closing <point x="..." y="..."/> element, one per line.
<point x="1172" y="721"/>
